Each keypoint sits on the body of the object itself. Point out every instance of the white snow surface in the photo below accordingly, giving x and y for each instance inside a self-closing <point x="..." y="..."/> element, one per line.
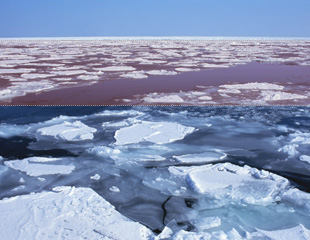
<point x="164" y="99"/>
<point x="66" y="213"/>
<point x="205" y="157"/>
<point x="116" y="69"/>
<point x="155" y="132"/>
<point x="67" y="131"/>
<point x="280" y="96"/>
<point x="233" y="183"/>
<point x="35" y="167"/>
<point x="253" y="86"/>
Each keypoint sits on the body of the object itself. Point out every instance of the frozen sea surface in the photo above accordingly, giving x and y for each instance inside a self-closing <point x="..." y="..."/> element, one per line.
<point x="31" y="69"/>
<point x="163" y="173"/>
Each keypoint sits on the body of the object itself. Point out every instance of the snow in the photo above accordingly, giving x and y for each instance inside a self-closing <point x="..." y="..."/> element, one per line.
<point x="253" y="86"/>
<point x="33" y="166"/>
<point x="164" y="99"/>
<point x="66" y="213"/>
<point x="155" y="132"/>
<point x="67" y="131"/>
<point x="233" y="183"/>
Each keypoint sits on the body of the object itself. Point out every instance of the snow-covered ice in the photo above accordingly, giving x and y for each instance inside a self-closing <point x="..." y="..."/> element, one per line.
<point x="66" y="213"/>
<point x="34" y="166"/>
<point x="67" y="131"/>
<point x="227" y="182"/>
<point x="155" y="132"/>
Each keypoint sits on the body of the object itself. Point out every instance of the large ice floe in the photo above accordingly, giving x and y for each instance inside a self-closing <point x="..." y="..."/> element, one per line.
<point x="155" y="173"/>
<point x="66" y="213"/>
<point x="67" y="131"/>
<point x="155" y="132"/>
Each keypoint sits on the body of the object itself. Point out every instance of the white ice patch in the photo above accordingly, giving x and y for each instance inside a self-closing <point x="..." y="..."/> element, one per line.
<point x="161" y="72"/>
<point x="67" y="72"/>
<point x="228" y="182"/>
<point x="36" y="75"/>
<point x="66" y="213"/>
<point x="67" y="131"/>
<point x="155" y="132"/>
<point x="135" y="75"/>
<point x="116" y="69"/>
<point x="234" y="91"/>
<point x="290" y="149"/>
<point x="96" y="177"/>
<point x="305" y="158"/>
<point x="186" y="69"/>
<point x="205" y="157"/>
<point x="254" y="86"/>
<point x="164" y="99"/>
<point x="13" y="70"/>
<point x="280" y="96"/>
<point x="35" y="167"/>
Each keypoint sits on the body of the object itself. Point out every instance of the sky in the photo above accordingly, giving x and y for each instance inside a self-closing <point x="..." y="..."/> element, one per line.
<point x="95" y="18"/>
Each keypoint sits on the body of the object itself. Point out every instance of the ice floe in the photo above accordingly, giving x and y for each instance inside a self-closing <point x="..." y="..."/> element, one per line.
<point x="34" y="166"/>
<point x="280" y="96"/>
<point x="66" y="213"/>
<point x="305" y="158"/>
<point x="228" y="182"/>
<point x="67" y="131"/>
<point x="253" y="86"/>
<point x="155" y="132"/>
<point x="205" y="157"/>
<point x="116" y="69"/>
<point x="164" y="99"/>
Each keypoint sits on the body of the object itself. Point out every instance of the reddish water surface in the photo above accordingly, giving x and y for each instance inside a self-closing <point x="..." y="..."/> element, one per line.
<point x="106" y="92"/>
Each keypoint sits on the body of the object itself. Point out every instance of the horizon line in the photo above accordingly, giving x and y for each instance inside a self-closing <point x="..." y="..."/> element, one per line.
<point x="157" y="38"/>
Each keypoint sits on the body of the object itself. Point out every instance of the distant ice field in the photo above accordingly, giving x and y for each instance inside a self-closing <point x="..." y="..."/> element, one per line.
<point x="163" y="173"/>
<point x="33" y="70"/>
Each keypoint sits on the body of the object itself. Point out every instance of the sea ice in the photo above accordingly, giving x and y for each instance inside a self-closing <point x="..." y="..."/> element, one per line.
<point x="233" y="183"/>
<point x="66" y="213"/>
<point x="67" y="131"/>
<point x="116" y="69"/>
<point x="161" y="72"/>
<point x="135" y="75"/>
<point x="33" y="166"/>
<point x="253" y="86"/>
<point x="205" y="157"/>
<point x="280" y="96"/>
<point x="163" y="99"/>
<point x="305" y="158"/>
<point x="155" y="132"/>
